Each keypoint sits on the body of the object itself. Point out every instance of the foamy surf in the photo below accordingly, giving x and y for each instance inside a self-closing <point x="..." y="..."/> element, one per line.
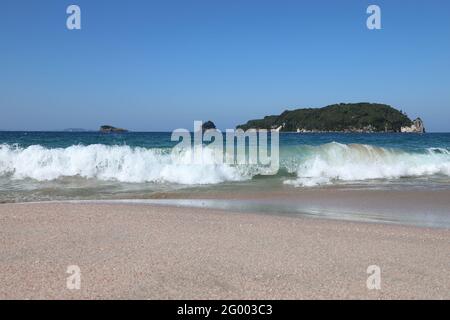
<point x="313" y="165"/>
<point x="118" y="163"/>
<point x="336" y="162"/>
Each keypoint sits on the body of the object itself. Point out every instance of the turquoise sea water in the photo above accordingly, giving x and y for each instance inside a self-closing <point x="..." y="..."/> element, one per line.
<point x="38" y="166"/>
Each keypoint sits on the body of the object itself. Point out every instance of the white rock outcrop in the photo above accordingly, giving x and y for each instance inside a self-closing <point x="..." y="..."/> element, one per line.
<point x="416" y="127"/>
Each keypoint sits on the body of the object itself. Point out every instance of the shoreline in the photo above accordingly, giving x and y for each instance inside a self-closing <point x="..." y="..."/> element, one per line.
<point x="421" y="208"/>
<point x="140" y="251"/>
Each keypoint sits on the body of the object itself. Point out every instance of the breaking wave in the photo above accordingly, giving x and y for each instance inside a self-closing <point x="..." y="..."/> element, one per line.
<point x="311" y="166"/>
<point x="355" y="162"/>
<point x="119" y="163"/>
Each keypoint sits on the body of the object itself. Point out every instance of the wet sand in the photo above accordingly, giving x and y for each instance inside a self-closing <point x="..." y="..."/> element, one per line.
<point x="415" y="207"/>
<point x="136" y="251"/>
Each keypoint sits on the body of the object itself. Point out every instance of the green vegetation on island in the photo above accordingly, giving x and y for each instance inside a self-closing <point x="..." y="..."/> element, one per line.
<point x="344" y="117"/>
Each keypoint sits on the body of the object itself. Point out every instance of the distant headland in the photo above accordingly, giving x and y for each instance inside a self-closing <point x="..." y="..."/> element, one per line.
<point x="111" y="129"/>
<point x="344" y="117"/>
<point x="76" y="130"/>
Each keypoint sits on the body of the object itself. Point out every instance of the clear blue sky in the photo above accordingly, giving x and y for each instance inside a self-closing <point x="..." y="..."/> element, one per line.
<point x="159" y="65"/>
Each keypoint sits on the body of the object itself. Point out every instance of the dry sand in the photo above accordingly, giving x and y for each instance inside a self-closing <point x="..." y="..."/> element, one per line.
<point x="153" y="252"/>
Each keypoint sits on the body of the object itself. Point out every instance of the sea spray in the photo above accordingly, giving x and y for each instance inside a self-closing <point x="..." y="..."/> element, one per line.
<point x="335" y="162"/>
<point x="312" y="165"/>
<point x="120" y="163"/>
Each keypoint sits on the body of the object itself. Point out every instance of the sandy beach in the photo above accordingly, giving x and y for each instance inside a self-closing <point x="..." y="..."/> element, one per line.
<point x="136" y="251"/>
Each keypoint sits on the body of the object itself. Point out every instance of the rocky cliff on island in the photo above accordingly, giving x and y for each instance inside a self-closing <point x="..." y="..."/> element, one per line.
<point x="417" y="126"/>
<point x="344" y="117"/>
<point x="111" y="129"/>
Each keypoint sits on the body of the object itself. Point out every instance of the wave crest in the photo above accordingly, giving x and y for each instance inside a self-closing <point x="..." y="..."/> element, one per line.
<point x="355" y="162"/>
<point x="120" y="163"/>
<point x="324" y="164"/>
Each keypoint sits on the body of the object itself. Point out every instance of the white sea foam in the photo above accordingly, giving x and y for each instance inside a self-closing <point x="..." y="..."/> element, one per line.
<point x="325" y="164"/>
<point x="355" y="162"/>
<point x="120" y="163"/>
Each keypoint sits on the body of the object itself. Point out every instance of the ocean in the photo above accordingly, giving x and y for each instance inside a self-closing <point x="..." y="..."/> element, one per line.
<point x="46" y="166"/>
